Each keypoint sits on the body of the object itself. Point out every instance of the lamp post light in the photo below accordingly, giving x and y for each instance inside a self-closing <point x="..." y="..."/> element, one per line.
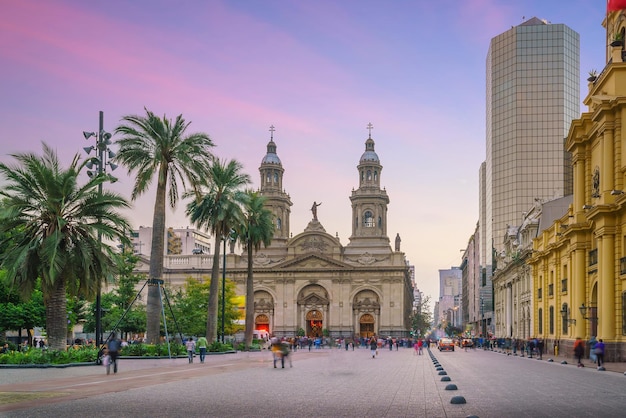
<point x="103" y="140"/>
<point x="223" y="290"/>
<point x="226" y="238"/>
<point x="482" y="317"/>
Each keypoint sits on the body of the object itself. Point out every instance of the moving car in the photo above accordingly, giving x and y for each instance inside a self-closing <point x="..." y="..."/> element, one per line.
<point x="445" y="344"/>
<point x="467" y="342"/>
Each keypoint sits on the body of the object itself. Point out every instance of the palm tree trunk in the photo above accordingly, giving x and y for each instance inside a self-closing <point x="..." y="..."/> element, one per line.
<point x="153" y="305"/>
<point x="211" y="321"/>
<point x="249" y="301"/>
<point x="56" y="316"/>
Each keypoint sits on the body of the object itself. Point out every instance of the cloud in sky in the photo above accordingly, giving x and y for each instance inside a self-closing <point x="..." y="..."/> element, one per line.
<point x="318" y="71"/>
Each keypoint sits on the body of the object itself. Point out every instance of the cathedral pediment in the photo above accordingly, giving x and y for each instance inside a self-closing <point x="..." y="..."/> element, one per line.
<point x="315" y="240"/>
<point x="313" y="261"/>
<point x="367" y="259"/>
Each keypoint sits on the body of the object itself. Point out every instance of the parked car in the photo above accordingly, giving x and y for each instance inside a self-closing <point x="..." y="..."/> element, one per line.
<point x="445" y="344"/>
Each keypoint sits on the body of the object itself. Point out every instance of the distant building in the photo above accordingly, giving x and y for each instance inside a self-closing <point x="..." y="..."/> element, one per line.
<point x="178" y="241"/>
<point x="450" y="289"/>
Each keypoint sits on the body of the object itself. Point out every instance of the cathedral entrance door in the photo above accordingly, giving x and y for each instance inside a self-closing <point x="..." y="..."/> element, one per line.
<point x="366" y="326"/>
<point x="262" y="323"/>
<point x="314" y="323"/>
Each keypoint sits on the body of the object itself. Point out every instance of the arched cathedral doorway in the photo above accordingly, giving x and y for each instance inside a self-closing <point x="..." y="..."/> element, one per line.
<point x="366" y="312"/>
<point x="313" y="306"/>
<point x="314" y="323"/>
<point x="262" y="323"/>
<point x="366" y="326"/>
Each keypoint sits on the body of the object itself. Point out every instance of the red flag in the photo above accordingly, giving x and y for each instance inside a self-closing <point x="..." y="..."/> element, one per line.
<point x="615" y="5"/>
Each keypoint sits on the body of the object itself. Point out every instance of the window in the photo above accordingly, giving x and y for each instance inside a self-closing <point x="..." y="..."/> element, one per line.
<point x="369" y="175"/>
<point x="539" y="293"/>
<point x="368" y="220"/>
<point x="623" y="313"/>
<point x="551" y="319"/>
<point x="565" y="313"/>
<point x="275" y="177"/>
<point x="564" y="285"/>
<point x="540" y="320"/>
<point x="279" y="224"/>
<point x="551" y="289"/>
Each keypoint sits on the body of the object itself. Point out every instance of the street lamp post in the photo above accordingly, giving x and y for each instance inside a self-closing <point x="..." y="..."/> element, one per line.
<point x="103" y="140"/>
<point x="482" y="318"/>
<point x="223" y="290"/>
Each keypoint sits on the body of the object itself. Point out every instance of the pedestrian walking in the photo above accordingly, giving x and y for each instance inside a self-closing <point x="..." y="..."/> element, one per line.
<point x="373" y="347"/>
<point x="599" y="352"/>
<point x="540" y="348"/>
<point x="191" y="348"/>
<point x="579" y="351"/>
<point x="592" y="355"/>
<point x="277" y="352"/>
<point x="113" y="349"/>
<point x="202" y="344"/>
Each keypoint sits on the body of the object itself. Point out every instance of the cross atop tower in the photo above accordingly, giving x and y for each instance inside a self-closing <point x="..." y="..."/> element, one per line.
<point x="272" y="129"/>
<point x="369" y="128"/>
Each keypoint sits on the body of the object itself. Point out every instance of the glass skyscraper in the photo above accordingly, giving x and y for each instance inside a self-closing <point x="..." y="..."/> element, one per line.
<point x="533" y="94"/>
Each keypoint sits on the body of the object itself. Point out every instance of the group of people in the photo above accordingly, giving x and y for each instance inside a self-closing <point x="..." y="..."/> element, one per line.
<point x="281" y="351"/>
<point x="191" y="346"/>
<point x="596" y="351"/>
<point x="419" y="347"/>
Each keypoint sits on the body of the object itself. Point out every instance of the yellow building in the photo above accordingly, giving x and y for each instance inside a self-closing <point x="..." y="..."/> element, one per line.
<point x="579" y="263"/>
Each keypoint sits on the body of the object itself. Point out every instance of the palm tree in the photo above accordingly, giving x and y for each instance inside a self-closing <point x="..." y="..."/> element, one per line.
<point x="257" y="229"/>
<point x="55" y="224"/>
<point x="154" y="146"/>
<point x="218" y="209"/>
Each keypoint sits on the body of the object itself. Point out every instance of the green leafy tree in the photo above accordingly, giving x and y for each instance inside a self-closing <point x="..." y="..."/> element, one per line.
<point x="421" y="320"/>
<point x="218" y="209"/>
<point x="18" y="313"/>
<point x="119" y="300"/>
<point x="257" y="228"/>
<point x="190" y="307"/>
<point x="77" y="311"/>
<point x="159" y="147"/>
<point x="55" y="223"/>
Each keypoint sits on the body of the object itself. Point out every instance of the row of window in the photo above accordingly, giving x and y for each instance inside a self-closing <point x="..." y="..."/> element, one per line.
<point x="566" y="314"/>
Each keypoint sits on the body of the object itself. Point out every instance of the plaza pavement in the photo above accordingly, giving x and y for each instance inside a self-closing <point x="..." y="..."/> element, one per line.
<point x="322" y="383"/>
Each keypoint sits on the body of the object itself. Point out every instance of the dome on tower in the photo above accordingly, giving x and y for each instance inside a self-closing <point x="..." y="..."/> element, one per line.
<point x="369" y="155"/>
<point x="271" y="157"/>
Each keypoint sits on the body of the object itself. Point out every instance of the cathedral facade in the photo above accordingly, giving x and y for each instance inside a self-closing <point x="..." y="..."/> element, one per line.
<point x="309" y="281"/>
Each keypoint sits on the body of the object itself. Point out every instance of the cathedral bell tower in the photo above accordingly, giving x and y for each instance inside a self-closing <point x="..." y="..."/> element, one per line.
<point x="369" y="203"/>
<point x="277" y="200"/>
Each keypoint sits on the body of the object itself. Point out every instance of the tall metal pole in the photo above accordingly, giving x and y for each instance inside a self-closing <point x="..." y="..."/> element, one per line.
<point x="223" y="289"/>
<point x="101" y="146"/>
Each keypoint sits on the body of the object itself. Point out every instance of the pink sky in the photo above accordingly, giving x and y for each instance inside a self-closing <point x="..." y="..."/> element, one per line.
<point x="318" y="71"/>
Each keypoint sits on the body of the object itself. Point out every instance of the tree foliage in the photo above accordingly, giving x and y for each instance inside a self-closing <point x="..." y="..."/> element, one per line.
<point x="190" y="302"/>
<point x="421" y="320"/>
<point x="55" y="224"/>
<point x="154" y="147"/>
<point x="218" y="208"/>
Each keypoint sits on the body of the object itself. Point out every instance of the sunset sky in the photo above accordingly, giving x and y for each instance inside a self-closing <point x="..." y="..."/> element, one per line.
<point x="319" y="71"/>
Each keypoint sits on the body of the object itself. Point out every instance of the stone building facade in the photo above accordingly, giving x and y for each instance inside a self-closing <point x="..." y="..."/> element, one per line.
<point x="309" y="280"/>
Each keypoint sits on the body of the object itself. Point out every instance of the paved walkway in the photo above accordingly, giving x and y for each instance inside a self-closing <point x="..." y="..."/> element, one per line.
<point x="322" y="383"/>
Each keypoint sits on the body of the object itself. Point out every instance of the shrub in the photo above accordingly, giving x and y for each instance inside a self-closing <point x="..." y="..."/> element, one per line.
<point x="218" y="347"/>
